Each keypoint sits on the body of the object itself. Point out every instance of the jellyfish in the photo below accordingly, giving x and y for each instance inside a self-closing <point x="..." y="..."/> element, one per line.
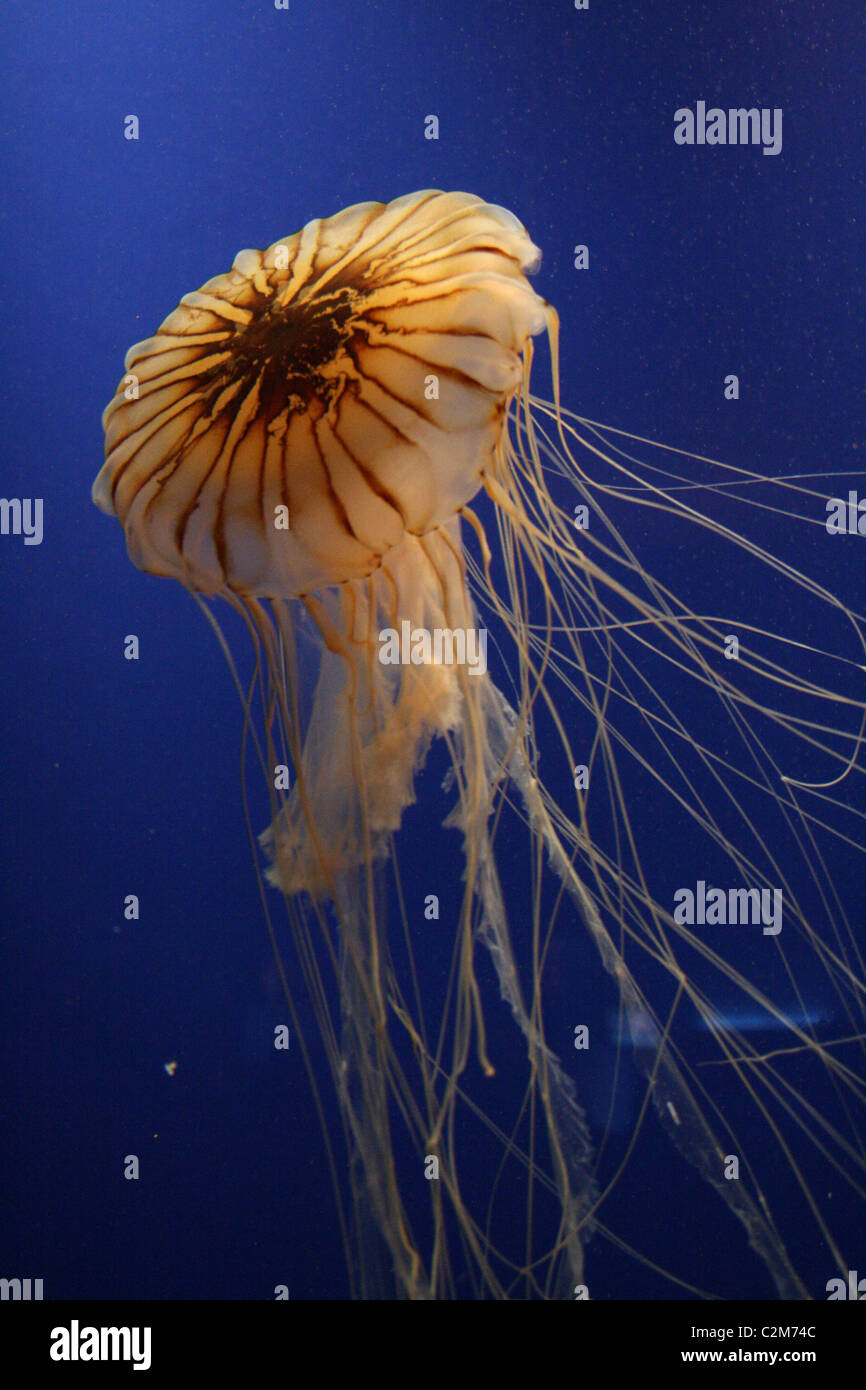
<point x="339" y="438"/>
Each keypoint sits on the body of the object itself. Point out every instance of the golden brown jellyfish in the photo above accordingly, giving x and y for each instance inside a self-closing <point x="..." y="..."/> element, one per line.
<point x="304" y="437"/>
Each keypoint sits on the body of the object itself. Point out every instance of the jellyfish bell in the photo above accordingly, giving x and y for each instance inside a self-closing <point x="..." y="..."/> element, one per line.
<point x="304" y="437"/>
<point x="362" y="387"/>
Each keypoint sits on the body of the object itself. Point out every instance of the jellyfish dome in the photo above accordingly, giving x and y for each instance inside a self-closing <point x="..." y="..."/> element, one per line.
<point x="350" y="383"/>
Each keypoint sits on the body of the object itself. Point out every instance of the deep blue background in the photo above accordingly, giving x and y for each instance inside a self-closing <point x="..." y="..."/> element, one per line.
<point x="122" y="777"/>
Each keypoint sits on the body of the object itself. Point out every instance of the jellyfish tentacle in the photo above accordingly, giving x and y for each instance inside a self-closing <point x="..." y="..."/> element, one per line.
<point x="676" y="1106"/>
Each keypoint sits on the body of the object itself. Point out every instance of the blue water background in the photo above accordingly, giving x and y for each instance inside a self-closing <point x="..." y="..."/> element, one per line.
<point x="123" y="777"/>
